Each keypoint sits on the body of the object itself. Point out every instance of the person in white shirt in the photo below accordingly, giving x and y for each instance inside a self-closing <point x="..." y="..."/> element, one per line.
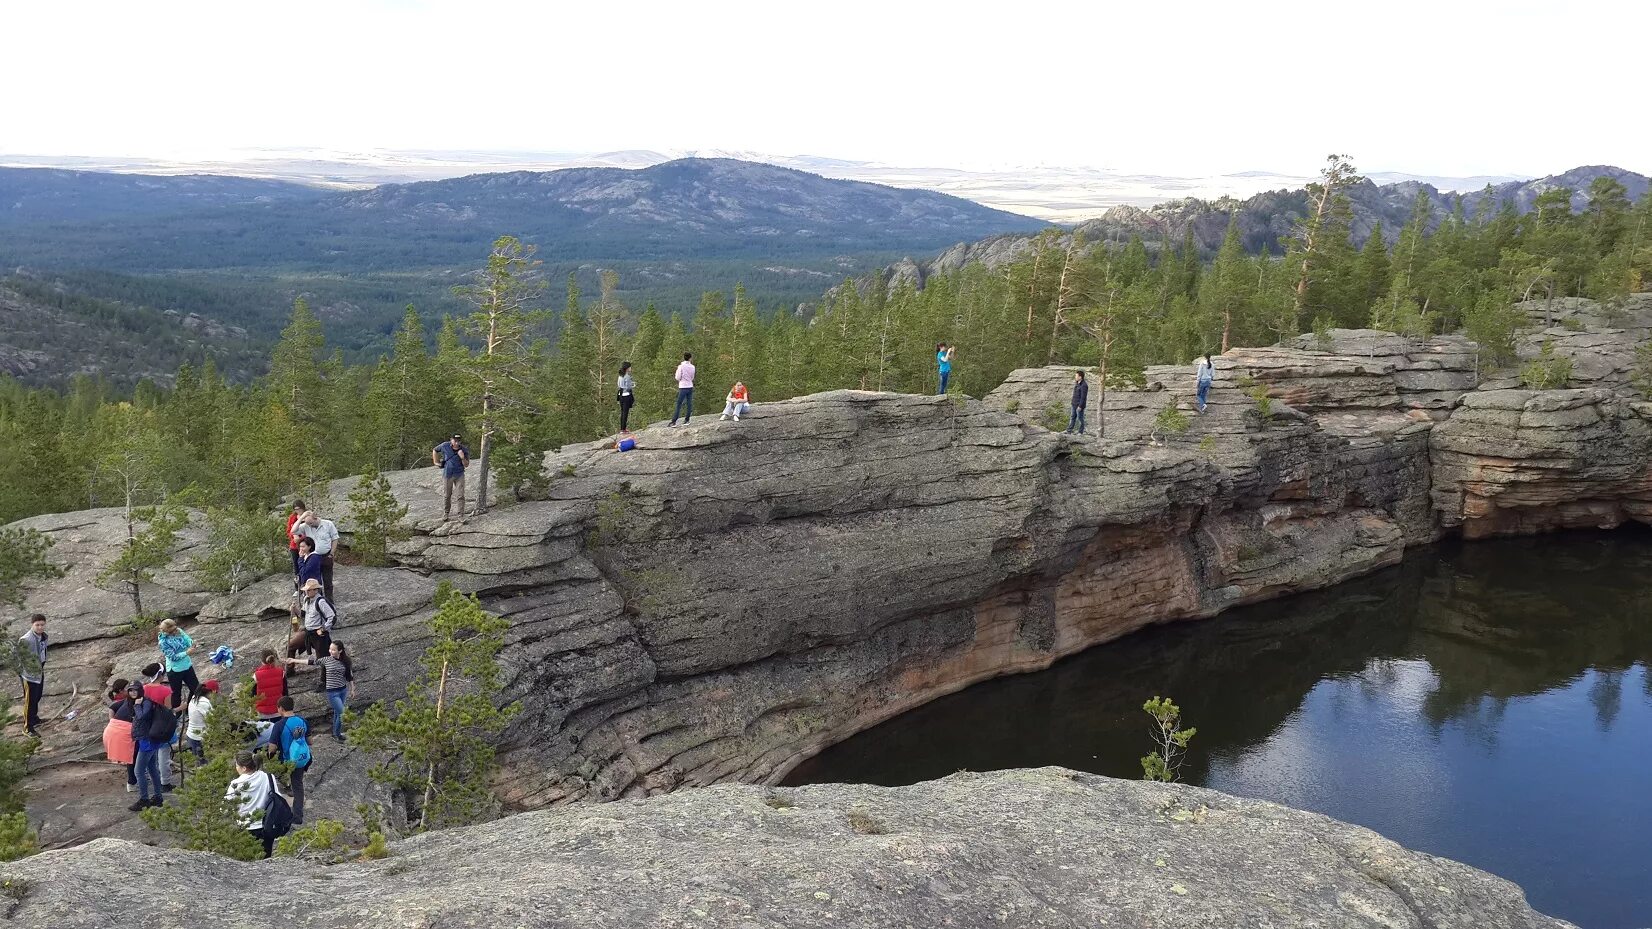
<point x="252" y="789"/>
<point x="324" y="534"/>
<point x="685" y="390"/>
<point x="195" y="730"/>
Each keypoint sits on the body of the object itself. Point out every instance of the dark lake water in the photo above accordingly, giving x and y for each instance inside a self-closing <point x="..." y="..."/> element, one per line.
<point x="1489" y="702"/>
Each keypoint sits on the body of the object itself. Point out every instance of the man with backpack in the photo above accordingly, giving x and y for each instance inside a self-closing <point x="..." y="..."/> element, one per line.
<point x="319" y="617"/>
<point x="292" y="744"/>
<point x="153" y="725"/>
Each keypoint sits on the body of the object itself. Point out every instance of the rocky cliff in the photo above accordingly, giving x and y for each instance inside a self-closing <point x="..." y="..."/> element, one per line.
<point x="1049" y="848"/>
<point x="730" y="598"/>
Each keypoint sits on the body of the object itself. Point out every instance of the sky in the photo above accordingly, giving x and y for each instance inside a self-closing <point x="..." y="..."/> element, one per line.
<point x="1441" y="87"/>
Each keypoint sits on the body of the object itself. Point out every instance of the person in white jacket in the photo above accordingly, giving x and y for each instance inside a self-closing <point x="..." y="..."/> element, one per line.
<point x="252" y="790"/>
<point x="195" y="729"/>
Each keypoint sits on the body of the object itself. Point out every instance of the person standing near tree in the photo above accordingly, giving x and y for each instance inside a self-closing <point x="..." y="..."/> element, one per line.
<point x="269" y="686"/>
<point x="200" y="705"/>
<point x="339" y="681"/>
<point x="250" y="791"/>
<point x="452" y="457"/>
<point x="157" y="691"/>
<point x="292" y="743"/>
<point x="943" y="364"/>
<point x="685" y="390"/>
<point x="324" y="535"/>
<point x="625" y="391"/>
<point x="292" y="539"/>
<point x="153" y="726"/>
<point x="1081" y="399"/>
<point x="1205" y="372"/>
<point x="31" y="668"/>
<point x="175" y="645"/>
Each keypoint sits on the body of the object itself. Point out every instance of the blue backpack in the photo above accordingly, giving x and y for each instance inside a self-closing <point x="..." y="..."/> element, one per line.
<point x="298" y="751"/>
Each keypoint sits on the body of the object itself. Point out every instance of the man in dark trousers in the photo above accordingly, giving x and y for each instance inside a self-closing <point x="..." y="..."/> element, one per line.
<point x="31" y="667"/>
<point x="1081" y="399"/>
<point x="452" y="457"/>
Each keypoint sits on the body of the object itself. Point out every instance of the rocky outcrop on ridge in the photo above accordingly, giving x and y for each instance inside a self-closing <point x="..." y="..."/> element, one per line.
<point x="1047" y="847"/>
<point x="730" y="598"/>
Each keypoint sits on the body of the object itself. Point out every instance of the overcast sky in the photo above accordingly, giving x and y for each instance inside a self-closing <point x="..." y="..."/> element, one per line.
<point x="1439" y="87"/>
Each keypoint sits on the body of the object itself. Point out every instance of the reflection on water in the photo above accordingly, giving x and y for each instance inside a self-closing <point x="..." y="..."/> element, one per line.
<point x="1488" y="702"/>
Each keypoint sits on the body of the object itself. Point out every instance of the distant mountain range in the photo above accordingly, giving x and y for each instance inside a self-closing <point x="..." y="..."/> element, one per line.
<point x="1267" y="218"/>
<point x="1059" y="193"/>
<point x="691" y="208"/>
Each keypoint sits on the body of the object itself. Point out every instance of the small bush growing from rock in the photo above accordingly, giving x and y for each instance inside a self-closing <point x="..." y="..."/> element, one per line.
<point x="376" y="847"/>
<point x="242" y="546"/>
<point x="1054" y="418"/>
<point x="1640" y="376"/>
<point x="777" y="802"/>
<point x="317" y="840"/>
<point x="14" y="888"/>
<point x="865" y="823"/>
<point x="1264" y="403"/>
<point x="1548" y="371"/>
<point x="1012" y="406"/>
<point x="1169" y="421"/>
<point x="1164" y="763"/>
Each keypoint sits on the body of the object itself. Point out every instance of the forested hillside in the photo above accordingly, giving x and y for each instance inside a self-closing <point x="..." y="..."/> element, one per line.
<point x="1116" y="307"/>
<point x="240" y="251"/>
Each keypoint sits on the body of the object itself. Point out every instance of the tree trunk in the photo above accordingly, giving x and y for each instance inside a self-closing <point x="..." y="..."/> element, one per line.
<point x="430" y="771"/>
<point x="1227" y="325"/>
<point x="1032" y="296"/>
<point x="1308" y="247"/>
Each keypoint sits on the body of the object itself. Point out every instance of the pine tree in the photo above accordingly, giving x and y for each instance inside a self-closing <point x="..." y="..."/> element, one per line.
<point x="1309" y="242"/>
<point x="438" y="739"/>
<point x="23" y="559"/>
<point x="242" y="546"/>
<point x="376" y="516"/>
<point x="1371" y="276"/>
<point x="198" y="815"/>
<point x="499" y="384"/>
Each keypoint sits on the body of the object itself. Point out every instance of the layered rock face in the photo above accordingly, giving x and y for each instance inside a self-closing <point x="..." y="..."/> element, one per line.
<point x="730" y="598"/>
<point x="1048" y="848"/>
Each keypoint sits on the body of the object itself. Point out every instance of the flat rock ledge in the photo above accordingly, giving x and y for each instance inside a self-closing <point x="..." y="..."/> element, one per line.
<point x="1031" y="848"/>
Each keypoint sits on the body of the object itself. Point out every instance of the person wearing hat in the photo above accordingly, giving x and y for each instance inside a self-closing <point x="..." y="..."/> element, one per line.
<point x="452" y="457"/>
<point x="319" y="617"/>
<point x="199" y="706"/>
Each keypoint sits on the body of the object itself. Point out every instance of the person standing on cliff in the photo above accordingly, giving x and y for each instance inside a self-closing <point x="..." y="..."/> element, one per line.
<point x="685" y="390"/>
<point x="31" y="668"/>
<point x="943" y="364"/>
<point x="292" y="540"/>
<point x="625" y="392"/>
<point x="324" y="534"/>
<point x="1081" y="399"/>
<point x="1205" y="372"/>
<point x="452" y="457"/>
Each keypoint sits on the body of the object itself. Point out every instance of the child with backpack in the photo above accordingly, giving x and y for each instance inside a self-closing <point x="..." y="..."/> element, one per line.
<point x="292" y="745"/>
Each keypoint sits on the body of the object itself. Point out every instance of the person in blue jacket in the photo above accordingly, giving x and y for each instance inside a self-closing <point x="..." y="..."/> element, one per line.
<point x="943" y="363"/>
<point x="1081" y="399"/>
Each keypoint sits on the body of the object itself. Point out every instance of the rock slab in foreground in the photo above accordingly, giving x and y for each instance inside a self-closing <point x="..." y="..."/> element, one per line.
<point x="1035" y="848"/>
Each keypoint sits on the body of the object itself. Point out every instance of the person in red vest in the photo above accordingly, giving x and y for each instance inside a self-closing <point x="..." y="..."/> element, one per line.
<point x="270" y="685"/>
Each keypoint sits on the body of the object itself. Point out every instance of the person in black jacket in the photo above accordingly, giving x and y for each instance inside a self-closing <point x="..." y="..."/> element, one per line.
<point x="1081" y="399"/>
<point x="152" y="727"/>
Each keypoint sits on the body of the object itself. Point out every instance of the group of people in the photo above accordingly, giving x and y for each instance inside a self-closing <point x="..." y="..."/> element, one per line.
<point x="1204" y="374"/>
<point x="165" y="707"/>
<point x="735" y="405"/>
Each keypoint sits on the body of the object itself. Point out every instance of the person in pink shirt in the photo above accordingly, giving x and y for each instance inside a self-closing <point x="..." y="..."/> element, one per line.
<point x="685" y="390"/>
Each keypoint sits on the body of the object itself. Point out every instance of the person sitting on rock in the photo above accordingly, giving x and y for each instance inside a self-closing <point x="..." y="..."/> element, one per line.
<point x="736" y="402"/>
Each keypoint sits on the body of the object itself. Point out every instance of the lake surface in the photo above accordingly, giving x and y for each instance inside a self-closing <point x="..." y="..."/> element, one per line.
<point x="1488" y="702"/>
